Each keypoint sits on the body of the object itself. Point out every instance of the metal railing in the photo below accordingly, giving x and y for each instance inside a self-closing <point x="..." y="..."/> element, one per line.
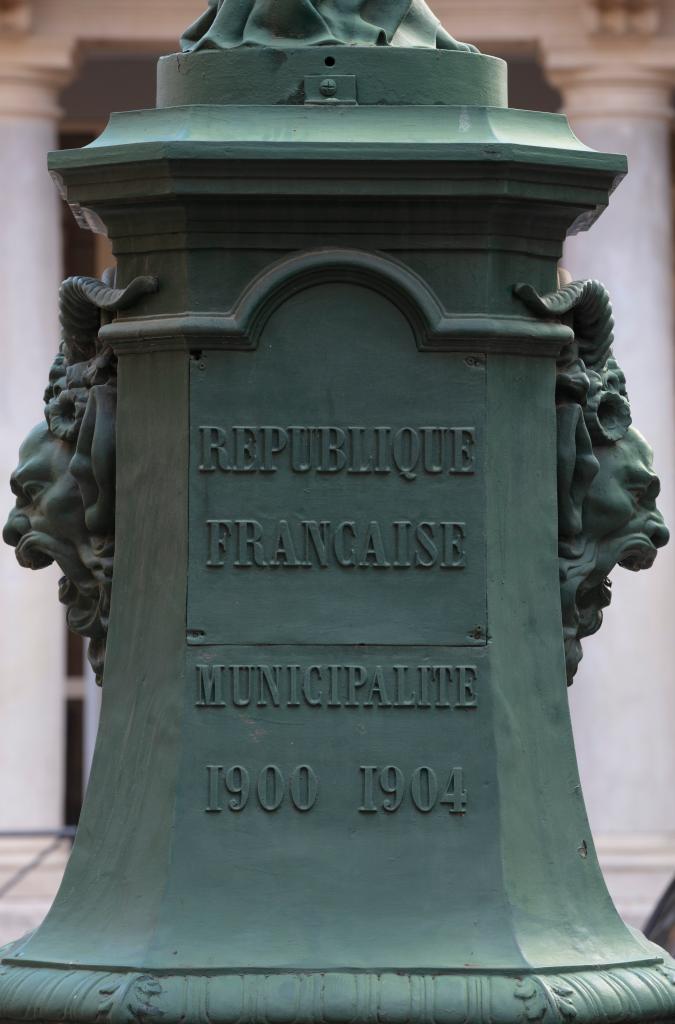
<point x="57" y="835"/>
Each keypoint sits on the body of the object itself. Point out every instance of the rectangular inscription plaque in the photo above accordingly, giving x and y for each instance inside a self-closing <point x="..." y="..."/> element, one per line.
<point x="337" y="483"/>
<point x="333" y="778"/>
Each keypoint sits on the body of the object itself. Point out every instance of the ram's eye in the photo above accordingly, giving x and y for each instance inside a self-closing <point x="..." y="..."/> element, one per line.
<point x="646" y="493"/>
<point x="17" y="491"/>
<point x="653" y="489"/>
<point x="33" y="491"/>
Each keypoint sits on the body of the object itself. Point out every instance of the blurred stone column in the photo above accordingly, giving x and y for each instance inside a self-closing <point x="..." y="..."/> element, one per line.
<point x="32" y="667"/>
<point x="623" y="701"/>
<point x="91" y="717"/>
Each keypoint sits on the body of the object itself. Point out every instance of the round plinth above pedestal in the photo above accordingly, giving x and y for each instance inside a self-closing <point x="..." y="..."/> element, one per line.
<point x="367" y="75"/>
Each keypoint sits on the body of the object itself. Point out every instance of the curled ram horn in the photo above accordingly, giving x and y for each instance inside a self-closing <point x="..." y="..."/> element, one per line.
<point x="590" y="307"/>
<point x="81" y="301"/>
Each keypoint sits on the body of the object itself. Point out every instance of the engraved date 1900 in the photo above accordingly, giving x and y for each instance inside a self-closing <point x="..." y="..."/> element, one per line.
<point x="383" y="789"/>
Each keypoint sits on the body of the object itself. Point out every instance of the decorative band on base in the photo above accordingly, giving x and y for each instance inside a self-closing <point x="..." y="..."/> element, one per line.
<point x="80" y="996"/>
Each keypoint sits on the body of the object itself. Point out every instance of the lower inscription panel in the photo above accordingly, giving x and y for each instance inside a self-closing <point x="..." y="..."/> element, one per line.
<point x="326" y="776"/>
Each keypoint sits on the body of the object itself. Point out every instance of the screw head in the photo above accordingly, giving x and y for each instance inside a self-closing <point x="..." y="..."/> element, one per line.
<point x="328" y="87"/>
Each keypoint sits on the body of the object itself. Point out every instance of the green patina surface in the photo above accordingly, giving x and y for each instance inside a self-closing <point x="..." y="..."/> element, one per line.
<point x="368" y="446"/>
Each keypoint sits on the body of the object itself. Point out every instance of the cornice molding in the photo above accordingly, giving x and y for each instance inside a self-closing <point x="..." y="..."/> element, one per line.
<point x="626" y="17"/>
<point x="33" y="71"/>
<point x="610" y="85"/>
<point x="134" y="25"/>
<point x="622" y="67"/>
<point x="15" y="16"/>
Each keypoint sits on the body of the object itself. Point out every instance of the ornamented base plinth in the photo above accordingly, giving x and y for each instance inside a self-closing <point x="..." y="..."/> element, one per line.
<point x="618" y="994"/>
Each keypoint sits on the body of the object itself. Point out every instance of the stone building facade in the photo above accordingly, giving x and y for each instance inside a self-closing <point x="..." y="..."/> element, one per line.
<point x="608" y="64"/>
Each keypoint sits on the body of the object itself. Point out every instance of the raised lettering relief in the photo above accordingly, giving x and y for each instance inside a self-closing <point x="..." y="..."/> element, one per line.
<point x="337" y="623"/>
<point x="444" y="687"/>
<point x="270" y="787"/>
<point x="357" y="450"/>
<point x="385" y="789"/>
<point x="308" y="544"/>
<point x="382" y="789"/>
<point x="329" y="504"/>
<point x="339" y="734"/>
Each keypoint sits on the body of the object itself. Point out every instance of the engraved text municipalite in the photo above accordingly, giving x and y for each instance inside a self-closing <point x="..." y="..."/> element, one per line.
<point x="445" y="687"/>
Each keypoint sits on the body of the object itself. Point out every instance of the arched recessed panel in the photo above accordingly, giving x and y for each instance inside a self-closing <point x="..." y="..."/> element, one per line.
<point x="337" y="482"/>
<point x="338" y="683"/>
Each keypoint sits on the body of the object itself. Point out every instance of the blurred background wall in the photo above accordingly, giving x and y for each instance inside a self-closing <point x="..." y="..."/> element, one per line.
<point x="608" y="64"/>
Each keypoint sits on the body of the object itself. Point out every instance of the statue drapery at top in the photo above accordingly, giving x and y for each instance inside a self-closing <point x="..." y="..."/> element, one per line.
<point x="231" y="23"/>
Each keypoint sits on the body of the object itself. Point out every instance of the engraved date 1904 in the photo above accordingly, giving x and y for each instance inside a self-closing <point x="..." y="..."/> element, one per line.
<point x="383" y="789"/>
